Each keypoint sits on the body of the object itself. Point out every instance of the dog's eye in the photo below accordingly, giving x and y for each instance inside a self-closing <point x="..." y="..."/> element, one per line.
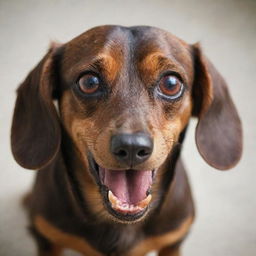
<point x="170" y="86"/>
<point x="89" y="84"/>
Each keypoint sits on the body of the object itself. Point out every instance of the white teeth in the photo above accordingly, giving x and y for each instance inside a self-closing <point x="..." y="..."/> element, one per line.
<point x="145" y="201"/>
<point x="125" y="207"/>
<point x="112" y="198"/>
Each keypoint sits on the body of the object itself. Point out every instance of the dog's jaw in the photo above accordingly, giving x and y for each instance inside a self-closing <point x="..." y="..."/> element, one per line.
<point x="126" y="193"/>
<point x="128" y="208"/>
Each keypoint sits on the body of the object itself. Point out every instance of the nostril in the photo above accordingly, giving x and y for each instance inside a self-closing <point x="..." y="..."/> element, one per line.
<point x="143" y="153"/>
<point x="131" y="149"/>
<point x="121" y="153"/>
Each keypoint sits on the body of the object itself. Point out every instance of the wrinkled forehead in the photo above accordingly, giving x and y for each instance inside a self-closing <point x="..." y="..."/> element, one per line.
<point x="113" y="47"/>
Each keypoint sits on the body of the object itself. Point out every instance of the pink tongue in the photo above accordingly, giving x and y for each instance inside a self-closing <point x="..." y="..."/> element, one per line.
<point x="128" y="186"/>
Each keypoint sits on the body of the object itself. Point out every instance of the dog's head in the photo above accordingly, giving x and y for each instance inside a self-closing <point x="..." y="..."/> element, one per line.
<point x="125" y="95"/>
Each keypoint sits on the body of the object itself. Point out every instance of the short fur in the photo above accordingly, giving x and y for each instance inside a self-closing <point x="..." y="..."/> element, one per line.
<point x="65" y="206"/>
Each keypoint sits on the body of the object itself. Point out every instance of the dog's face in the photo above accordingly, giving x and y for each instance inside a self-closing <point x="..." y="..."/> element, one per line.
<point x="125" y="95"/>
<point x="126" y="98"/>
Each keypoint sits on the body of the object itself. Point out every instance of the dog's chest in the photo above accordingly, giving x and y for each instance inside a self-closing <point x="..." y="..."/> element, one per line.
<point x="111" y="240"/>
<point x="115" y="240"/>
<point x="92" y="240"/>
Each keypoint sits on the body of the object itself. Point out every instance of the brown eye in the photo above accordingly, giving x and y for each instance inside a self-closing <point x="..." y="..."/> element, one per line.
<point x="89" y="84"/>
<point x="170" y="86"/>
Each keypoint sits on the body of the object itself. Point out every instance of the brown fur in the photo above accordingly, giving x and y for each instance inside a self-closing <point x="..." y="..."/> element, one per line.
<point x="162" y="241"/>
<point x="63" y="239"/>
<point x="66" y="207"/>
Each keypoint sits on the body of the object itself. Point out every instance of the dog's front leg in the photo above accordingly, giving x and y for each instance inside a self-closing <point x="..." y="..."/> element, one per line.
<point x="170" y="251"/>
<point x="55" y="251"/>
<point x="44" y="246"/>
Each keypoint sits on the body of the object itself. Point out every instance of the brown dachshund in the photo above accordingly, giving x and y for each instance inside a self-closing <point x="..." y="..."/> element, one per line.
<point x="110" y="180"/>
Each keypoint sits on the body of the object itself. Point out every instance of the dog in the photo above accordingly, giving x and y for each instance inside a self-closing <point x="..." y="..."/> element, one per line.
<point x="102" y="119"/>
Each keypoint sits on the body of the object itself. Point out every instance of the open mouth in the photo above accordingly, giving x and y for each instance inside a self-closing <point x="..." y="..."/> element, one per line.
<point x="126" y="193"/>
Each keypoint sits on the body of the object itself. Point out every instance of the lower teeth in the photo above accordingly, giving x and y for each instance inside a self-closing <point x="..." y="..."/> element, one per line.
<point x="121" y="206"/>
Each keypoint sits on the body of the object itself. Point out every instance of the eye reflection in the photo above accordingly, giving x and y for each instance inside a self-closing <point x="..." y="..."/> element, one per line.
<point x="170" y="86"/>
<point x="89" y="84"/>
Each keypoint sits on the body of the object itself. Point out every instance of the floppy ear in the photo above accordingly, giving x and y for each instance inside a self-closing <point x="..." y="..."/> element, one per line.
<point x="219" y="131"/>
<point x="35" y="132"/>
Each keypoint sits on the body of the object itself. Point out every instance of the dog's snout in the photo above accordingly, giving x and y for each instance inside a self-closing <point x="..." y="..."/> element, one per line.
<point x="131" y="149"/>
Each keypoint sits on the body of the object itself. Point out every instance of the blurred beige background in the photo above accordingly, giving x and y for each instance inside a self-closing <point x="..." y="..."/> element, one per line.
<point x="226" y="201"/>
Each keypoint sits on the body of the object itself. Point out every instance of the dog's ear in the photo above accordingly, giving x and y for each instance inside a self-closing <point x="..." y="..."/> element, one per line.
<point x="35" y="132"/>
<point x="219" y="131"/>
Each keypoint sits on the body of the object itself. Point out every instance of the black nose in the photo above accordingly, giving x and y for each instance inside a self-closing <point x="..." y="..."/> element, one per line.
<point x="132" y="149"/>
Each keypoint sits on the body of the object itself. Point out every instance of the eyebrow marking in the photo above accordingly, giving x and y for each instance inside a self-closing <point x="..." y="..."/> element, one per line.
<point x="108" y="65"/>
<point x="157" y="61"/>
<point x="103" y="63"/>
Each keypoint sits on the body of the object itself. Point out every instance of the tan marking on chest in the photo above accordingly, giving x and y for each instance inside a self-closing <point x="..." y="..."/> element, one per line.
<point x="159" y="242"/>
<point x="62" y="239"/>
